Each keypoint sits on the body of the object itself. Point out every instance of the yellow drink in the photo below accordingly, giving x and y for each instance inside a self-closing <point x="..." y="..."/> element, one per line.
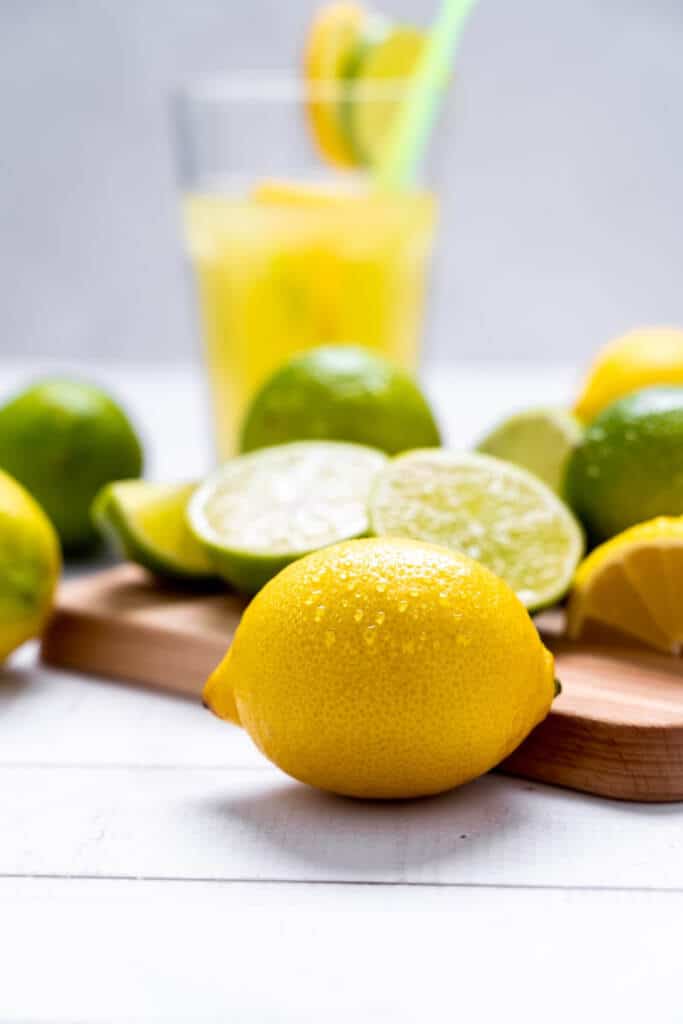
<point x="291" y="267"/>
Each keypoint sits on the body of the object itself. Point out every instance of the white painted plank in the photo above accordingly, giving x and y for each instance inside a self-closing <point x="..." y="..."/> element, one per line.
<point x="256" y="824"/>
<point x="114" y="951"/>
<point x="60" y="717"/>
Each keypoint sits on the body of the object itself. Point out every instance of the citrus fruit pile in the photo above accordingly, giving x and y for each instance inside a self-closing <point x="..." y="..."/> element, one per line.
<point x="389" y="649"/>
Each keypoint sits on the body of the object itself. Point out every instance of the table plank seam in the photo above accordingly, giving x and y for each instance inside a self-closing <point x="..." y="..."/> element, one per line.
<point x="385" y="883"/>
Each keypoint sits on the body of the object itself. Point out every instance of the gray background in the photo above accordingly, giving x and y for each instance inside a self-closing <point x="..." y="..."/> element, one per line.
<point x="564" y="184"/>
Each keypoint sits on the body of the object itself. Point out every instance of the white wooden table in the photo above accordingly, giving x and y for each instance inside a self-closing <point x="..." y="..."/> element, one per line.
<point x="154" y="867"/>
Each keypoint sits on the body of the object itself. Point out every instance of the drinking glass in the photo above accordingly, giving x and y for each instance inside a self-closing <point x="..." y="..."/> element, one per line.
<point x="288" y="251"/>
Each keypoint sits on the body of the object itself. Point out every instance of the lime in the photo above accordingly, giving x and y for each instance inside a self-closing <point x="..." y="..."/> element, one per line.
<point x="629" y="466"/>
<point x="376" y="83"/>
<point x="259" y="512"/>
<point x="147" y="521"/>
<point x="63" y="440"/>
<point x="340" y="393"/>
<point x="492" y="511"/>
<point x="640" y="359"/>
<point x="540" y="440"/>
<point x="29" y="565"/>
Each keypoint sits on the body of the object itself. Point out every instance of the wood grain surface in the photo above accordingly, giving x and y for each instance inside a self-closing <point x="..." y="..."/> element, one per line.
<point x="616" y="730"/>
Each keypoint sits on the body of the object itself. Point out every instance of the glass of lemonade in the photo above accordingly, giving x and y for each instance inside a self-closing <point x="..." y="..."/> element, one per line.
<point x="288" y="251"/>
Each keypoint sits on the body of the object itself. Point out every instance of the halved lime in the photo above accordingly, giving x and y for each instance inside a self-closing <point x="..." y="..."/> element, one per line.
<point x="259" y="512"/>
<point x="497" y="513"/>
<point x="540" y="440"/>
<point x="376" y="79"/>
<point x="147" y="522"/>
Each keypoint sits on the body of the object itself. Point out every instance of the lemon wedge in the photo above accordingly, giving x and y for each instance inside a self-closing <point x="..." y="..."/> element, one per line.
<point x="634" y="583"/>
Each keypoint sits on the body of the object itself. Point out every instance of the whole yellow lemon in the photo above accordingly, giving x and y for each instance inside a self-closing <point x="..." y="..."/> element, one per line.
<point x="29" y="565"/>
<point x="639" y="359"/>
<point x="385" y="668"/>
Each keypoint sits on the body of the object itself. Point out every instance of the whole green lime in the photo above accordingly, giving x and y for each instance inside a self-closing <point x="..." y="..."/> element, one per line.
<point x="629" y="465"/>
<point x="63" y="440"/>
<point x="340" y="393"/>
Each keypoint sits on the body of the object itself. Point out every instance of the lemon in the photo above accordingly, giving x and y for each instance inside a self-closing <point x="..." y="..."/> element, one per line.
<point x="340" y="393"/>
<point x="639" y="359"/>
<point x="259" y="512"/>
<point x="147" y="522"/>
<point x="634" y="583"/>
<point x="489" y="509"/>
<point x="385" y="668"/>
<point x="332" y="40"/>
<point x="63" y="440"/>
<point x="29" y="565"/>
<point x="628" y="467"/>
<point x="540" y="440"/>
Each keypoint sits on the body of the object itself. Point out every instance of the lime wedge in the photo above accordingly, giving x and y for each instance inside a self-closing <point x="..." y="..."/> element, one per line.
<point x="147" y="522"/>
<point x="376" y="79"/>
<point x="259" y="512"/>
<point x="492" y="511"/>
<point x="540" y="440"/>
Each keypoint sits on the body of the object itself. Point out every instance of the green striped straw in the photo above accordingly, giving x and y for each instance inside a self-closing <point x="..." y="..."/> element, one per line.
<point x="415" y="120"/>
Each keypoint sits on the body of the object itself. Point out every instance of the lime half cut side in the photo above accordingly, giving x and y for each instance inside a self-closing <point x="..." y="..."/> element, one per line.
<point x="540" y="440"/>
<point x="493" y="511"/>
<point x="259" y="512"/>
<point x="147" y="522"/>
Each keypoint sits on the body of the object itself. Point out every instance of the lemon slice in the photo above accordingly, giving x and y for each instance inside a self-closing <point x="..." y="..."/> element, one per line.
<point x="540" y="440"/>
<point x="259" y="512"/>
<point x="634" y="583"/>
<point x="147" y="521"/>
<point x="283" y="192"/>
<point x="332" y="40"/>
<point x="495" y="512"/>
<point x="376" y="81"/>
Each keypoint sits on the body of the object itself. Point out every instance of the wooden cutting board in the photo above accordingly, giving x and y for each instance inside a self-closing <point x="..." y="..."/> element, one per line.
<point x="616" y="730"/>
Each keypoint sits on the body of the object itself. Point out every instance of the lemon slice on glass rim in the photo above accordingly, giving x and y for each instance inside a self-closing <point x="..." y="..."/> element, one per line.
<point x="356" y="65"/>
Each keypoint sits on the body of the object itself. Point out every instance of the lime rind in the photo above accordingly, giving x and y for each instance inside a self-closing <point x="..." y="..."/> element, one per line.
<point x="146" y="522"/>
<point x="260" y="511"/>
<point x="493" y="511"/>
<point x="540" y="440"/>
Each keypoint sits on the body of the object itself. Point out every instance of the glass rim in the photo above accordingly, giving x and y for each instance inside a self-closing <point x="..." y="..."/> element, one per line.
<point x="282" y="87"/>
